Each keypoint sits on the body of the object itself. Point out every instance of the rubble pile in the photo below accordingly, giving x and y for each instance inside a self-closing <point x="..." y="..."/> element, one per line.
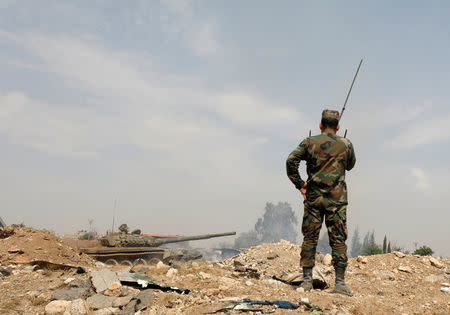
<point x="261" y="280"/>
<point x="25" y="244"/>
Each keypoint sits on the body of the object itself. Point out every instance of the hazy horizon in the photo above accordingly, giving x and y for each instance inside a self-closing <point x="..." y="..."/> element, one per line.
<point x="184" y="112"/>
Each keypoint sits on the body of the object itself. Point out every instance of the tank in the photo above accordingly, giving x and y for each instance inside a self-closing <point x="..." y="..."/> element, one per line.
<point x="130" y="249"/>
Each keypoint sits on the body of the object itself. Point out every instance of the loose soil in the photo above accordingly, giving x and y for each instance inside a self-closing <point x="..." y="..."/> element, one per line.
<point x="382" y="284"/>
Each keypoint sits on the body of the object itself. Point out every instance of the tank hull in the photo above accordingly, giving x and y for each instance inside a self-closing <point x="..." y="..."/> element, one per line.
<point x="141" y="255"/>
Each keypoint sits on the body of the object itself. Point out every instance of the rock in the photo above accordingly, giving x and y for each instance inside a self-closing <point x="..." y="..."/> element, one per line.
<point x="436" y="263"/>
<point x="388" y="275"/>
<point x="129" y="309"/>
<point x="232" y="299"/>
<point x="68" y="280"/>
<point x="238" y="263"/>
<point x="15" y="250"/>
<point x="114" y="289"/>
<point x="327" y="259"/>
<point x="160" y="265"/>
<point x="5" y="271"/>
<point x="195" y="264"/>
<point x="144" y="299"/>
<point x="31" y="268"/>
<point x="445" y="284"/>
<point x="300" y="290"/>
<point x="102" y="279"/>
<point x="319" y="257"/>
<point x="21" y="259"/>
<point x="204" y="275"/>
<point x="121" y="301"/>
<point x="399" y="254"/>
<point x="76" y="307"/>
<point x="272" y="255"/>
<point x="445" y="289"/>
<point x="56" y="307"/>
<point x="107" y="311"/>
<point x="406" y="269"/>
<point x="305" y="300"/>
<point x="32" y="294"/>
<point x="262" y="261"/>
<point x="171" y="272"/>
<point x="292" y="277"/>
<point x="70" y="294"/>
<point x="435" y="278"/>
<point x="248" y="283"/>
<point x="140" y="269"/>
<point x="130" y="291"/>
<point x="99" y="301"/>
<point x="81" y="283"/>
<point x="99" y="264"/>
<point x="273" y="281"/>
<point x="361" y="259"/>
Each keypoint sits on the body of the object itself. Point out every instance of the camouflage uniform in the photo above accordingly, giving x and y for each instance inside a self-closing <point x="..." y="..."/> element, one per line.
<point x="328" y="157"/>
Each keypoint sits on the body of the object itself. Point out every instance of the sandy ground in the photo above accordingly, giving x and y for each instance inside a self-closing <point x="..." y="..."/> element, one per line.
<point x="383" y="284"/>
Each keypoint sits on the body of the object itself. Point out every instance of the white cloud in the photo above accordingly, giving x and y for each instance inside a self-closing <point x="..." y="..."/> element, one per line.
<point x="127" y="78"/>
<point x="48" y="128"/>
<point x="134" y="103"/>
<point x="421" y="133"/>
<point x="249" y="110"/>
<point x="421" y="181"/>
<point x="198" y="35"/>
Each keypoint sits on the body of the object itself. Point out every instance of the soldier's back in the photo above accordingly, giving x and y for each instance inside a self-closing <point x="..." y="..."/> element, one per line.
<point x="328" y="157"/>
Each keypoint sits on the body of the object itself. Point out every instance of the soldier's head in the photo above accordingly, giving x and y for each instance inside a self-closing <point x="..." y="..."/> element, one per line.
<point x="123" y="228"/>
<point x="330" y="120"/>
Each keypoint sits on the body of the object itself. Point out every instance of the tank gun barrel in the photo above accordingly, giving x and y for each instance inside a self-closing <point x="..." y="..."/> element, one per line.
<point x="191" y="238"/>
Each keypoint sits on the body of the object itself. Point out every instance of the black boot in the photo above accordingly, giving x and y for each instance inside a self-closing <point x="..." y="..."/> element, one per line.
<point x="340" y="286"/>
<point x="307" y="279"/>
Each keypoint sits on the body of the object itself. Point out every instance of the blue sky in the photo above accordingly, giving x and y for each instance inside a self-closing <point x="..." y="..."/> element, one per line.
<point x="185" y="111"/>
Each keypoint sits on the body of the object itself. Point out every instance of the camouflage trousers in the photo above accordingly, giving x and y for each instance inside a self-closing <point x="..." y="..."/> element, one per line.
<point x="336" y="222"/>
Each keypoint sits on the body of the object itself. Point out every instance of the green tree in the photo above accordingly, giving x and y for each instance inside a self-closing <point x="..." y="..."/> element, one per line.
<point x="356" y="243"/>
<point x="88" y="236"/>
<point x="372" y="238"/>
<point x="423" y="251"/>
<point x="389" y="247"/>
<point x="366" y="243"/>
<point x="369" y="246"/>
<point x="278" y="222"/>
<point x="373" y="249"/>
<point x="385" y="245"/>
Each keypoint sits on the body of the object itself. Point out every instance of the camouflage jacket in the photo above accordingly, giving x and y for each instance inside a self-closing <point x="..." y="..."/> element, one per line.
<point x="327" y="158"/>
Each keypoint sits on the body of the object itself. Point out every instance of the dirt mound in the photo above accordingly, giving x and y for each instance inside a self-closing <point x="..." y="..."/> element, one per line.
<point x="383" y="284"/>
<point x="271" y="258"/>
<point x="24" y="244"/>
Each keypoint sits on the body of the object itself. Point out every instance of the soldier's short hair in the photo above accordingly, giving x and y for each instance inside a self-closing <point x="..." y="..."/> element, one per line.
<point x="330" y="118"/>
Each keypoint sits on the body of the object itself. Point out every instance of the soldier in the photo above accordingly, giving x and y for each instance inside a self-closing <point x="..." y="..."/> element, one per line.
<point x="327" y="158"/>
<point x="123" y="228"/>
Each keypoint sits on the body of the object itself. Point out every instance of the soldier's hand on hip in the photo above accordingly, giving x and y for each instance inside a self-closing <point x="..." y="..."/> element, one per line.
<point x="303" y="190"/>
